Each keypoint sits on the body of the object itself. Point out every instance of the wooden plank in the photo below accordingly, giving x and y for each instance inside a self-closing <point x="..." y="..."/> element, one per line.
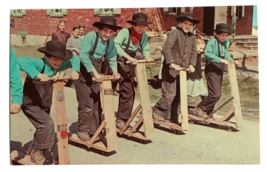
<point x="229" y="115"/>
<point x="97" y="144"/>
<point x="21" y="158"/>
<point x="137" y="135"/>
<point x="168" y="124"/>
<point x="221" y="106"/>
<point x="235" y="94"/>
<point x="108" y="109"/>
<point x="183" y="100"/>
<point x="61" y="121"/>
<point x="100" y="128"/>
<point x="139" y="122"/>
<point x="212" y="121"/>
<point x="145" y="100"/>
<point x="137" y="109"/>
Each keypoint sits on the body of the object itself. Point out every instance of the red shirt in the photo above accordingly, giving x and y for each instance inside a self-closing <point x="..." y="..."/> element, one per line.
<point x="60" y="36"/>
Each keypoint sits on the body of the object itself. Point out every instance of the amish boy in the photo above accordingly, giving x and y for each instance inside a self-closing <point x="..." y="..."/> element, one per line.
<point x="179" y="52"/>
<point x="37" y="94"/>
<point x="217" y="58"/>
<point x="127" y="43"/>
<point x="94" y="48"/>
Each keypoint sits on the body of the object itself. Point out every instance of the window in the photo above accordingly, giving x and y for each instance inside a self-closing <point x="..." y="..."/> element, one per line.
<point x="173" y="11"/>
<point x="107" y="11"/>
<point x="17" y="13"/>
<point x="12" y="22"/>
<point x="57" y="12"/>
<point x="239" y="11"/>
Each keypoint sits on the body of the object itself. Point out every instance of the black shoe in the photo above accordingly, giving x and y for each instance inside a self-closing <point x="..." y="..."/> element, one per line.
<point x="199" y="112"/>
<point x="37" y="156"/>
<point x="83" y="136"/>
<point x="156" y="115"/>
<point x="120" y="123"/>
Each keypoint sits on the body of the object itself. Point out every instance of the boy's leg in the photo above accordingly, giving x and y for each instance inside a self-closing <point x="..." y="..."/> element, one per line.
<point x="95" y="120"/>
<point x="126" y="99"/>
<point x="44" y="136"/>
<point x="163" y="106"/>
<point x="85" y="108"/>
<point x="175" y="107"/>
<point x="214" y="83"/>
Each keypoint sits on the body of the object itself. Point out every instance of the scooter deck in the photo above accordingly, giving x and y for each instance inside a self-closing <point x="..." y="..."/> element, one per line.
<point x="21" y="158"/>
<point x="98" y="143"/>
<point x="216" y="121"/>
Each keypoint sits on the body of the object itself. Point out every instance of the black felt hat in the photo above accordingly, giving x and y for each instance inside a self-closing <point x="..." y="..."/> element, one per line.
<point x="223" y="27"/>
<point x="188" y="16"/>
<point x="108" y="21"/>
<point x="56" y="49"/>
<point x="139" y="18"/>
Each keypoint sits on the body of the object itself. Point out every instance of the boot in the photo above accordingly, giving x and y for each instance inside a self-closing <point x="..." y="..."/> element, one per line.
<point x="37" y="156"/>
<point x="156" y="115"/>
<point x="83" y="135"/>
<point x="119" y="123"/>
<point x="199" y="112"/>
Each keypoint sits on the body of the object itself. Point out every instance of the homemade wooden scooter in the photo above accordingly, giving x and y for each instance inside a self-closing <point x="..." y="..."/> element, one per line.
<point x="144" y="107"/>
<point x="183" y="117"/>
<point x="235" y="111"/>
<point x="61" y="124"/>
<point x="105" y="138"/>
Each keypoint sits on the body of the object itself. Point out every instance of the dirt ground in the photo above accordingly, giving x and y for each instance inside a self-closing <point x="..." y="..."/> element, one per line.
<point x="201" y="144"/>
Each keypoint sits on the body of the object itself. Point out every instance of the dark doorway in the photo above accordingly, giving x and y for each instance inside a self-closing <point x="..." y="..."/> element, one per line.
<point x="208" y="20"/>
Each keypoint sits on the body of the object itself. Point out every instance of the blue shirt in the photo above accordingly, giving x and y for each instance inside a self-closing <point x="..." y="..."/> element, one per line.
<point x="211" y="50"/>
<point x="15" y="79"/>
<point x="87" y="45"/>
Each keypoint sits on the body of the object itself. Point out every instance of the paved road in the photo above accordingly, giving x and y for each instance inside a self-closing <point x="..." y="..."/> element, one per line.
<point x="199" y="145"/>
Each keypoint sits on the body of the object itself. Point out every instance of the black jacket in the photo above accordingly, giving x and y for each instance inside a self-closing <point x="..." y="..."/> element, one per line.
<point x="180" y="49"/>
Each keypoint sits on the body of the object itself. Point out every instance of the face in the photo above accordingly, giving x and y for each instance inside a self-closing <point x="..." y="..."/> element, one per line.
<point x="81" y="31"/>
<point x="76" y="33"/>
<point x="54" y="62"/>
<point x="140" y="28"/>
<point x="186" y="26"/>
<point x="222" y="37"/>
<point x="106" y="33"/>
<point x="62" y="26"/>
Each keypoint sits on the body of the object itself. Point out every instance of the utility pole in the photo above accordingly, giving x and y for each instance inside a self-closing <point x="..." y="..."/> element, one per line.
<point x="234" y="19"/>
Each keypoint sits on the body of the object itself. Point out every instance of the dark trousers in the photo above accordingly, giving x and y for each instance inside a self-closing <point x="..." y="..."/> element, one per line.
<point x="214" y="76"/>
<point x="168" y="104"/>
<point x="89" y="108"/>
<point x="44" y="136"/>
<point x="126" y="99"/>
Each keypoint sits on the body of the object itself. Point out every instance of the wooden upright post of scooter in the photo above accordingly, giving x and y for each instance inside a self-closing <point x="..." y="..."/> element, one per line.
<point x="235" y="94"/>
<point x="108" y="109"/>
<point x="183" y="100"/>
<point x="145" y="100"/>
<point x="61" y="120"/>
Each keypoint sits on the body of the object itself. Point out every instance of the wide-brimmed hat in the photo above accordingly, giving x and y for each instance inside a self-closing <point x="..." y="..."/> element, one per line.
<point x="56" y="49"/>
<point x="223" y="27"/>
<point x="139" y="18"/>
<point x="108" y="21"/>
<point x="188" y="16"/>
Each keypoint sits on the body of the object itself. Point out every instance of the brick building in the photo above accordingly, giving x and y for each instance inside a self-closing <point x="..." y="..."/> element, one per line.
<point x="37" y="22"/>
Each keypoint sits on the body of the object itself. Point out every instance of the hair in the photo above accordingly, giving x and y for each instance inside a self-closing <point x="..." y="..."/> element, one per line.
<point x="75" y="27"/>
<point x="62" y="21"/>
<point x="101" y="27"/>
<point x="220" y="32"/>
<point x="48" y="55"/>
<point x="82" y="26"/>
<point x="184" y="19"/>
